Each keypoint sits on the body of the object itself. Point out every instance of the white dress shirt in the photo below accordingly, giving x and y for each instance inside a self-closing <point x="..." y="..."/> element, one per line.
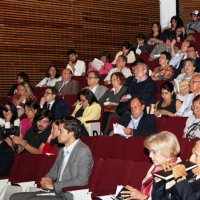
<point x="80" y="68"/>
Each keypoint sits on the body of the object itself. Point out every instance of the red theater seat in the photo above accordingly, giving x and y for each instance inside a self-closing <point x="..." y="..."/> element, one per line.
<point x="109" y="147"/>
<point x="134" y="149"/>
<point x="113" y="172"/>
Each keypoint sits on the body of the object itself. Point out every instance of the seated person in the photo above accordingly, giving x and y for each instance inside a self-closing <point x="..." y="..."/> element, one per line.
<point x="67" y="85"/>
<point x="180" y="55"/>
<point x="163" y="147"/>
<point x="51" y="146"/>
<point x="77" y="66"/>
<point x="179" y="33"/>
<point x="86" y="109"/>
<point x="106" y="67"/>
<point x="126" y="51"/>
<point x="192" y="128"/>
<point x="24" y="93"/>
<point x="52" y="76"/>
<point x="22" y="77"/>
<point x="181" y="83"/>
<point x="58" y="107"/>
<point x="164" y="71"/>
<point x="141" y="46"/>
<point x="174" y="22"/>
<point x="111" y="98"/>
<point x="186" y="185"/>
<point x="75" y="157"/>
<point x="194" y="25"/>
<point x="156" y="36"/>
<point x="140" y="85"/>
<point x="167" y="46"/>
<point x="120" y="67"/>
<point x="30" y="111"/>
<point x="9" y="121"/>
<point x="36" y="135"/>
<point x="186" y="108"/>
<point x="138" y="123"/>
<point x="192" y="52"/>
<point x="168" y="105"/>
<point x="93" y="80"/>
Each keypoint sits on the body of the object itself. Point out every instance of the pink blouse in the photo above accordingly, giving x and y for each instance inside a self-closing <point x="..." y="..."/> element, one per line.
<point x="25" y="125"/>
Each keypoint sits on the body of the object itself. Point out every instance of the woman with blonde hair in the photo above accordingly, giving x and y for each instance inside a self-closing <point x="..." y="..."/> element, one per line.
<point x="163" y="148"/>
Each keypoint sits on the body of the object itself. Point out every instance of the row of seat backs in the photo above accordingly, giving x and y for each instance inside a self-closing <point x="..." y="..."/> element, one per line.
<point x="108" y="173"/>
<point x="129" y="149"/>
<point x="30" y="167"/>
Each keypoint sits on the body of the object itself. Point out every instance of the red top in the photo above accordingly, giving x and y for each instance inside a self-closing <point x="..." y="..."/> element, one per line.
<point x="49" y="149"/>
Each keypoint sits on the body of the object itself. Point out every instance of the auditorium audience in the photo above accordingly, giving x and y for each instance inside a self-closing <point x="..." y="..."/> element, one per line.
<point x="140" y="85"/>
<point x="30" y="110"/>
<point x="120" y="67"/>
<point x="106" y="65"/>
<point x="191" y="53"/>
<point x="163" y="147"/>
<point x="76" y="66"/>
<point x="58" y="107"/>
<point x="127" y="52"/>
<point x="194" y="87"/>
<point x="52" y="76"/>
<point x="181" y="83"/>
<point x="138" y="122"/>
<point x="66" y="85"/>
<point x="167" y="46"/>
<point x="192" y="128"/>
<point x="24" y="93"/>
<point x="111" y="98"/>
<point x="164" y="71"/>
<point x="180" y="55"/>
<point x="72" y="166"/>
<point x="36" y="135"/>
<point x="141" y="47"/>
<point x="86" y="109"/>
<point x="93" y="80"/>
<point x="186" y="184"/>
<point x="168" y="105"/>
<point x="22" y="77"/>
<point x="194" y="25"/>
<point x="156" y="36"/>
<point x="175" y="22"/>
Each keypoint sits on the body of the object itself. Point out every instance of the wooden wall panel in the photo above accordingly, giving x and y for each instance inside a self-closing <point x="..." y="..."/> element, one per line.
<point x="36" y="33"/>
<point x="186" y="7"/>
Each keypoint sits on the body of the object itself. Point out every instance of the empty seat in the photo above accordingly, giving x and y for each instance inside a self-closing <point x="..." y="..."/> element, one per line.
<point x="109" y="147"/>
<point x="134" y="149"/>
<point x="113" y="172"/>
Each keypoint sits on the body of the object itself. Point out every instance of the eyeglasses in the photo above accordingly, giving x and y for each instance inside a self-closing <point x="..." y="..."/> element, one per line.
<point x="190" y="50"/>
<point x="83" y="100"/>
<point x="135" y="107"/>
<point x="193" y="81"/>
<point x="47" y="93"/>
<point x="90" y="77"/>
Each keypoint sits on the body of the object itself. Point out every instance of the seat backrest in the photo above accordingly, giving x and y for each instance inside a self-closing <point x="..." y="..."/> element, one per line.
<point x="160" y="123"/>
<point x="46" y="164"/>
<point x="71" y="99"/>
<point x="109" y="147"/>
<point x="81" y="79"/>
<point x="134" y="149"/>
<point x="113" y="172"/>
<point x="25" y="167"/>
<point x="90" y="141"/>
<point x="176" y="125"/>
<point x="139" y="172"/>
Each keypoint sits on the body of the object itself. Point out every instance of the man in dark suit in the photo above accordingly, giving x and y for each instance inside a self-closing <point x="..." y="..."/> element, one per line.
<point x="58" y="107"/>
<point x="138" y="123"/>
<point x="187" y="187"/>
<point x="66" y="85"/>
<point x="140" y="85"/>
<point x="71" y="168"/>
